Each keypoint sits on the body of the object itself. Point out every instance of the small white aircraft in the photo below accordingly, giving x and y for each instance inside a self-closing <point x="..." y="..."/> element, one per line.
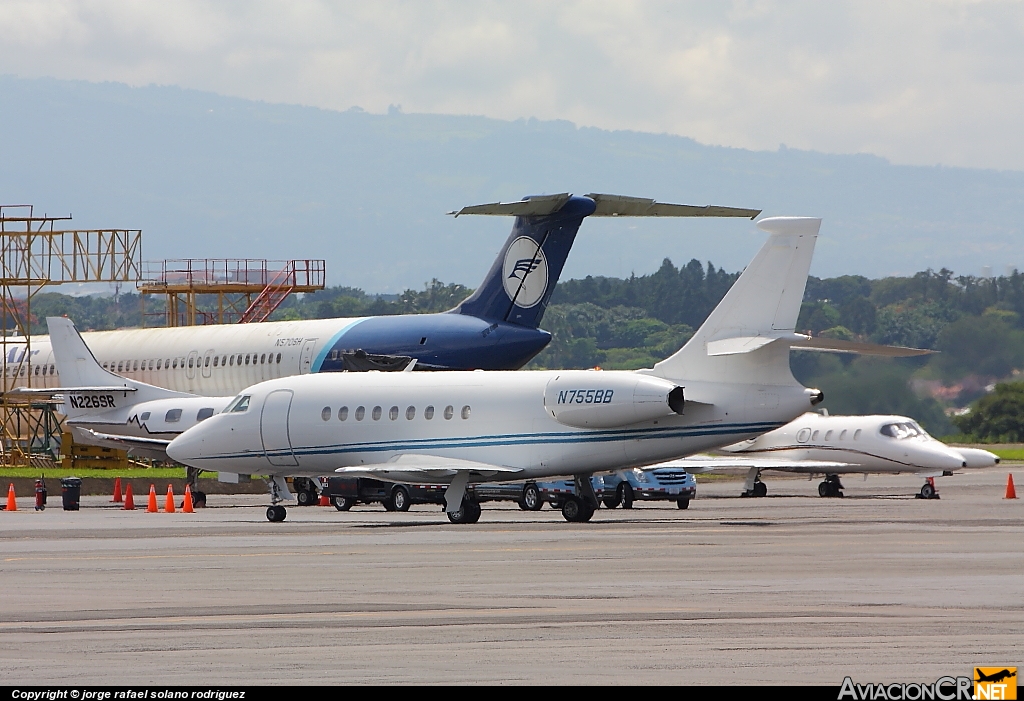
<point x="460" y="428"/>
<point x="819" y="444"/>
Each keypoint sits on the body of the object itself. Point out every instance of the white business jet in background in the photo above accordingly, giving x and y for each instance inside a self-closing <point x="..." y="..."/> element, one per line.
<point x="819" y="444"/>
<point x="732" y="380"/>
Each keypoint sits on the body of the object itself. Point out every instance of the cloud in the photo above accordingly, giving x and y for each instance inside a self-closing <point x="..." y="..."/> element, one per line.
<point x="916" y="82"/>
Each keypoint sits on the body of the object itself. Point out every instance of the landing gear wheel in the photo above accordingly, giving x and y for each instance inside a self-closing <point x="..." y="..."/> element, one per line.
<point x="823" y="489"/>
<point x="342" y="503"/>
<point x="928" y="491"/>
<point x="306" y="498"/>
<point x="276" y="514"/>
<point x="625" y="494"/>
<point x="683" y="503"/>
<point x="199" y="500"/>
<point x="760" y="489"/>
<point x="531" y="500"/>
<point x="469" y="512"/>
<point x="575" y="510"/>
<point x="831" y="487"/>
<point x="400" y="499"/>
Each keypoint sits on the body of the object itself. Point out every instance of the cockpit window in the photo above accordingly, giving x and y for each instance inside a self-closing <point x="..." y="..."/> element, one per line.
<point x="902" y="430"/>
<point x="239" y="405"/>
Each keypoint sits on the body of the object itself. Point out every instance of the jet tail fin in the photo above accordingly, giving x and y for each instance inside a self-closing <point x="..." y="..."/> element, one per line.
<point x="78" y="367"/>
<point x="523" y="277"/>
<point x="747" y="336"/>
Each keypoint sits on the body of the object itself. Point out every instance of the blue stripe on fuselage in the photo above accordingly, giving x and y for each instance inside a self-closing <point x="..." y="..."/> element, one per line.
<point x="322" y="355"/>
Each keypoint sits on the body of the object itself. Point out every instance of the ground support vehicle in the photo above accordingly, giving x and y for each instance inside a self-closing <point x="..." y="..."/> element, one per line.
<point x="652" y="484"/>
<point x="346" y="492"/>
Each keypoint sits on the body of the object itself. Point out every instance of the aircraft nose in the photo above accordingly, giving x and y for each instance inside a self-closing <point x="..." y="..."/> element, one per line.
<point x="188" y="446"/>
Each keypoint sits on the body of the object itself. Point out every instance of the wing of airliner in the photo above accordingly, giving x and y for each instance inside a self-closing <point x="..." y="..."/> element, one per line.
<point x="696" y="464"/>
<point x="414" y="467"/>
<point x="146" y="447"/>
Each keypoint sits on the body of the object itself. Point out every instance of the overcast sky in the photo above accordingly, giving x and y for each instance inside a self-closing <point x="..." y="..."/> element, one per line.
<point x="936" y="82"/>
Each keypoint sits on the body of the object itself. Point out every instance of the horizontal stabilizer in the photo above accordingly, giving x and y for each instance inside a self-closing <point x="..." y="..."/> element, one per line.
<point x="835" y="345"/>
<point x="623" y="206"/>
<point x="739" y="344"/>
<point x="53" y="392"/>
<point x="539" y="206"/>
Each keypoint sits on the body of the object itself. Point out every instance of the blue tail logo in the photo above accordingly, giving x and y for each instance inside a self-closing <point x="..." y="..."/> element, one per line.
<point x="526" y="272"/>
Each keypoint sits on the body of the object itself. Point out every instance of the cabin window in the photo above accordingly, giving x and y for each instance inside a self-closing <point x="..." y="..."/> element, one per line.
<point x="175" y="364"/>
<point x="828" y="435"/>
<point x="376" y="413"/>
<point x="173" y="416"/>
<point x="856" y="434"/>
<point x="120" y="366"/>
<point x="216" y="360"/>
<point x="239" y="361"/>
<point x="342" y="413"/>
<point x="53" y="369"/>
<point x="206" y="363"/>
<point x="263" y="358"/>
<point x="325" y="413"/>
<point x="105" y="366"/>
<point x="232" y="360"/>
<point x="191" y="361"/>
<point x="842" y="435"/>
<point x="410" y="413"/>
<point x="814" y="436"/>
<point x="393" y="413"/>
<point x="145" y="416"/>
<point x="360" y="413"/>
<point x="449" y="412"/>
<point x="246" y="358"/>
<point x="159" y="364"/>
<point x="279" y="358"/>
<point x="135" y="366"/>
<point x="239" y="405"/>
<point x="224" y="361"/>
<point x="37" y="369"/>
<point x="204" y="413"/>
<point x="466" y="411"/>
<point x="428" y="413"/>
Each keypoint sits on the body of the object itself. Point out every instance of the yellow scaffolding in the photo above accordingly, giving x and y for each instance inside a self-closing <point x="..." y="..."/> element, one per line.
<point x="243" y="289"/>
<point x="33" y="255"/>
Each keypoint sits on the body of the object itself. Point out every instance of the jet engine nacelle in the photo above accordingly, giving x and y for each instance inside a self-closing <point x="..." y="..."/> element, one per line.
<point x="600" y="400"/>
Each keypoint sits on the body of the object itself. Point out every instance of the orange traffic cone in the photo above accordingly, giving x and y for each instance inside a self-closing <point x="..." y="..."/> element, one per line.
<point x="117" y="491"/>
<point x="151" y="508"/>
<point x="129" y="498"/>
<point x="187" y="505"/>
<point x="324" y="500"/>
<point x="1011" y="493"/>
<point x="12" y="502"/>
<point x="169" y="503"/>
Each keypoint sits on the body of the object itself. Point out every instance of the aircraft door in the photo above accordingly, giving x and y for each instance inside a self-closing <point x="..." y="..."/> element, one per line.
<point x="190" y="365"/>
<point x="277" y="444"/>
<point x="306" y="357"/>
<point x="208" y="363"/>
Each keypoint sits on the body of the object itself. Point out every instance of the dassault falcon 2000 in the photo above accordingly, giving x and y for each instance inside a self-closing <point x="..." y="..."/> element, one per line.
<point x="496" y="328"/>
<point x="731" y="380"/>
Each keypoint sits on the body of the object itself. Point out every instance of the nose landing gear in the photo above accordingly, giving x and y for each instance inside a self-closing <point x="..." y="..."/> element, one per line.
<point x="831" y="487"/>
<point x="928" y="491"/>
<point x="278" y="491"/>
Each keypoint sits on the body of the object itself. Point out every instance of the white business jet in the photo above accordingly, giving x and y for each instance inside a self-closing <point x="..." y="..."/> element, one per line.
<point x="732" y="380"/>
<point x="833" y="445"/>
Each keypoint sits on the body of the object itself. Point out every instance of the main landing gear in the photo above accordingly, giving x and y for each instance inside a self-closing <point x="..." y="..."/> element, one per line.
<point x="831" y="487"/>
<point x="928" y="491"/>
<point x="754" y="487"/>
<point x="278" y="493"/>
<point x="469" y="512"/>
<point x="580" y="507"/>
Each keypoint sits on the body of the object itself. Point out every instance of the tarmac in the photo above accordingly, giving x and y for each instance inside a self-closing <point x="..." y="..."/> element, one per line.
<point x="788" y="589"/>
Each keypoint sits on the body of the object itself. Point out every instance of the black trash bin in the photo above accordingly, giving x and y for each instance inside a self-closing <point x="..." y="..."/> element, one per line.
<point x="71" y="492"/>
